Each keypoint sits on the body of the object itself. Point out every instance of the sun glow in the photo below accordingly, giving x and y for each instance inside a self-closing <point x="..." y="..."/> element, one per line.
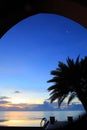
<point x="21" y="122"/>
<point x="18" y="100"/>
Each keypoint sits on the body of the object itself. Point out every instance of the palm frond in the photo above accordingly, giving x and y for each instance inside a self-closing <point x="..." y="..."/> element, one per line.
<point x="53" y="97"/>
<point x="77" y="60"/>
<point x="54" y="72"/>
<point x="70" y="62"/>
<point x="72" y="96"/>
<point x="54" y="79"/>
<point x="60" y="99"/>
<point x="52" y="87"/>
<point x="70" y="77"/>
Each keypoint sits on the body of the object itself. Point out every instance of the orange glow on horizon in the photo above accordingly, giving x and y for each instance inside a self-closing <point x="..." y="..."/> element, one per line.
<point x="21" y="123"/>
<point x="25" y="100"/>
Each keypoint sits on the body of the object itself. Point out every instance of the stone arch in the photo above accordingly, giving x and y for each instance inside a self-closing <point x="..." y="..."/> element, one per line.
<point x="15" y="12"/>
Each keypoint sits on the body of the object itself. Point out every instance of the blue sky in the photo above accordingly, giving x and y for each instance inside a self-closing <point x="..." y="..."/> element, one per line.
<point x="31" y="49"/>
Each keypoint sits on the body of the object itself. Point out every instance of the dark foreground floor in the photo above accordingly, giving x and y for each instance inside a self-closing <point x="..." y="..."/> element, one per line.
<point x="80" y="124"/>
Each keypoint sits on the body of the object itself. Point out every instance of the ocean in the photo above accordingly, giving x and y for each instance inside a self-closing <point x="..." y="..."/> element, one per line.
<point x="33" y="118"/>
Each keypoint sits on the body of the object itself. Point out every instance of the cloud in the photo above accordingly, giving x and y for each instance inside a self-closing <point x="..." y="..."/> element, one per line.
<point x="25" y="105"/>
<point x="16" y="91"/>
<point x="4" y="102"/>
<point x="46" y="106"/>
<point x="4" y="97"/>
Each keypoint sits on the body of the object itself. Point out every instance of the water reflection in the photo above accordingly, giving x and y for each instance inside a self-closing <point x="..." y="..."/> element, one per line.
<point x="20" y="123"/>
<point x="17" y="115"/>
<point x="23" y="118"/>
<point x="33" y="118"/>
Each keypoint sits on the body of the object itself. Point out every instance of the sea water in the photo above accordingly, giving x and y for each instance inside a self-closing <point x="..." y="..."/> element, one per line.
<point x="33" y="118"/>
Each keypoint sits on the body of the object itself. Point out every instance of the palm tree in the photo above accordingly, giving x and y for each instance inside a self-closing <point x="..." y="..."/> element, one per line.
<point x="70" y="80"/>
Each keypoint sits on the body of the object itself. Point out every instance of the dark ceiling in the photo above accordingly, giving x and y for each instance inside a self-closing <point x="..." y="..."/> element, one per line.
<point x="11" y="12"/>
<point x="81" y="2"/>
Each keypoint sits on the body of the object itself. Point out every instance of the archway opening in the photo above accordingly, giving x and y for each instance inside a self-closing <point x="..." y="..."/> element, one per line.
<point x="29" y="51"/>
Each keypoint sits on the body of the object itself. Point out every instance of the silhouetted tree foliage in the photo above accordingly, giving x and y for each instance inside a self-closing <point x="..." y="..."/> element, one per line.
<point x="70" y="80"/>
